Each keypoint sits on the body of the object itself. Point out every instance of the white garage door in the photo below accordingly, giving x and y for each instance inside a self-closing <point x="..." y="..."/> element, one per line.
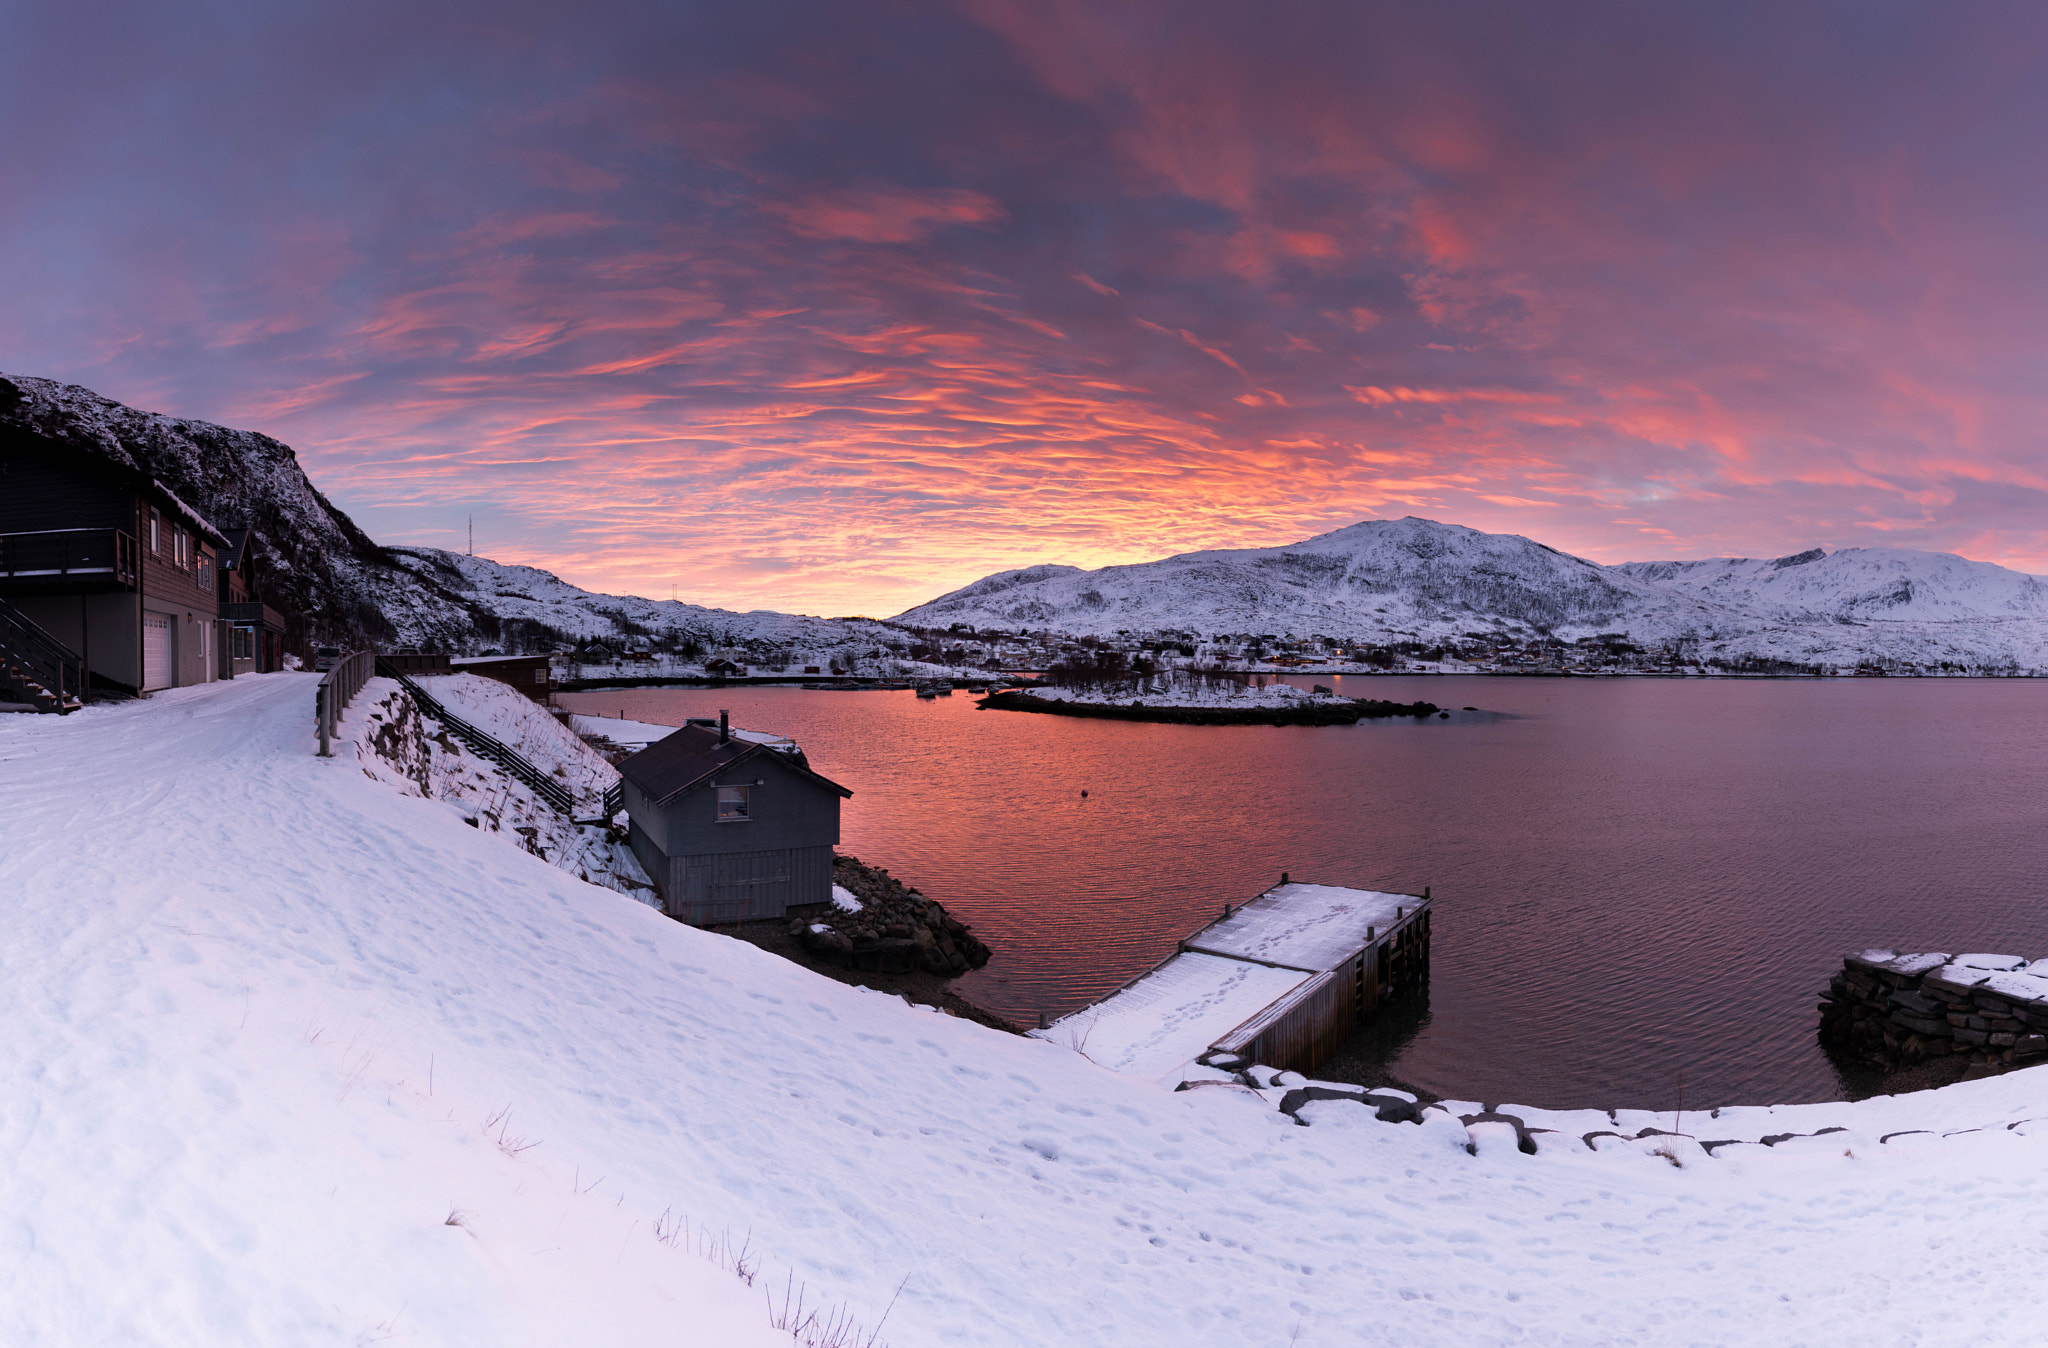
<point x="156" y="651"/>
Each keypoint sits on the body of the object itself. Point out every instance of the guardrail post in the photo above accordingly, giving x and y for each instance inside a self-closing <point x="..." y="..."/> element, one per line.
<point x="320" y="716"/>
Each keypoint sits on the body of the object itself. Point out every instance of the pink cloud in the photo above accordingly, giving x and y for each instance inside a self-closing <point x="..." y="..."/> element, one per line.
<point x="889" y="215"/>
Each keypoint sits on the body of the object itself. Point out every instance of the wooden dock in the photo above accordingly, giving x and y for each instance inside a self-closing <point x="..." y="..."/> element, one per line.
<point x="1283" y="979"/>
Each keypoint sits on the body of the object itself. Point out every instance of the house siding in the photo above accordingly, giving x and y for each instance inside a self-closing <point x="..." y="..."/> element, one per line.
<point x="723" y="887"/>
<point x="39" y="495"/>
<point x="709" y="872"/>
<point x="648" y="852"/>
<point x="789" y="810"/>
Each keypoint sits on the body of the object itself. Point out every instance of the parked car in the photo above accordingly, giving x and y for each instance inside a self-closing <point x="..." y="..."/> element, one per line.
<point x="326" y="658"/>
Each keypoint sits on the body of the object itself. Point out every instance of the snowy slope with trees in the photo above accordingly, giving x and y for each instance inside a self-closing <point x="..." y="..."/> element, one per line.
<point x="293" y="1056"/>
<point x="1415" y="579"/>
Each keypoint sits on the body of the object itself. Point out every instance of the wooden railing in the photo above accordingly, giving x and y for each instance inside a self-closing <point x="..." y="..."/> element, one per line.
<point x="64" y="555"/>
<point x="338" y="687"/>
<point x="38" y="665"/>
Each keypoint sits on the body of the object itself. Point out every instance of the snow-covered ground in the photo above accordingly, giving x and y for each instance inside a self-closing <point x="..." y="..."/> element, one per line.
<point x="395" y="743"/>
<point x="289" y="1056"/>
<point x="619" y="732"/>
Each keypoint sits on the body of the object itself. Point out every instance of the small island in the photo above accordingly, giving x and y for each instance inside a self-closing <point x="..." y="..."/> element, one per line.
<point x="1245" y="707"/>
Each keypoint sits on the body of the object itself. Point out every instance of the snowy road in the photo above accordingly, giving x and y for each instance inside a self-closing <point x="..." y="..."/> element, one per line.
<point x="289" y="1058"/>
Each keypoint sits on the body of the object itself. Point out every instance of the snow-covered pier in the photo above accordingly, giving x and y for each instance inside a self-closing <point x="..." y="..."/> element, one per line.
<point x="1283" y="980"/>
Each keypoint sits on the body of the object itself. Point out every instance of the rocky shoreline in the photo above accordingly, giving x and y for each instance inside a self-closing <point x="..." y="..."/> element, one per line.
<point x="1332" y="711"/>
<point x="1980" y="1013"/>
<point x="900" y="941"/>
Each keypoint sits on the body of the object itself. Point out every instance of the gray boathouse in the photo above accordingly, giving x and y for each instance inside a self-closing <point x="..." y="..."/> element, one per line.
<point x="732" y="825"/>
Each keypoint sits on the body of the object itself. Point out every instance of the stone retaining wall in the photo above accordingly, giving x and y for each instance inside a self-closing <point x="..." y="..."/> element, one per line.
<point x="1897" y="1009"/>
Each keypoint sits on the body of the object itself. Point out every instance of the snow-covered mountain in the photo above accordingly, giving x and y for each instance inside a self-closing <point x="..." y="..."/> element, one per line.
<point x="1379" y="575"/>
<point x="540" y="601"/>
<point x="1415" y="579"/>
<point x="1857" y="585"/>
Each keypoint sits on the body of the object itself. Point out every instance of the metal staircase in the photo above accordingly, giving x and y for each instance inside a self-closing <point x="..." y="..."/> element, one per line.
<point x="39" y="669"/>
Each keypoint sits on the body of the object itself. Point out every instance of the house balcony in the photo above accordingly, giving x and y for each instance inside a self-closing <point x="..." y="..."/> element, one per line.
<point x="253" y="615"/>
<point x="69" y="561"/>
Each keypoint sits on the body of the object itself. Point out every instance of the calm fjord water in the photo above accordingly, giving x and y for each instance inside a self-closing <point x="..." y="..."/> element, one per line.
<point x="1636" y="880"/>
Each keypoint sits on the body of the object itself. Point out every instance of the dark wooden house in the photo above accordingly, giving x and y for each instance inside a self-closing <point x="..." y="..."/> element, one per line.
<point x="108" y="565"/>
<point x="253" y="632"/>
<point x="731" y="828"/>
<point x="532" y="675"/>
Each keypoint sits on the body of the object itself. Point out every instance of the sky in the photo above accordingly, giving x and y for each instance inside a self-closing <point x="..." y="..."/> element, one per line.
<point x="834" y="307"/>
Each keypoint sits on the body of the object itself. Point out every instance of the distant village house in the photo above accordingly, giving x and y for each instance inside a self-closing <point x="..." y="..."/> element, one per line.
<point x="533" y="675"/>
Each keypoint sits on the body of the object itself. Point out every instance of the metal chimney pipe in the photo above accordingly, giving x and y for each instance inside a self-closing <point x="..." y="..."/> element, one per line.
<point x="724" y="726"/>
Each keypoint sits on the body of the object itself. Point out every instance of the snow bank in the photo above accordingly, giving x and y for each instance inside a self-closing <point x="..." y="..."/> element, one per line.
<point x="262" y="1019"/>
<point x="397" y="744"/>
<point x="622" y="733"/>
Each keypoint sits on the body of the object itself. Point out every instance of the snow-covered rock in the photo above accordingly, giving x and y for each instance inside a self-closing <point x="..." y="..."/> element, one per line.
<point x="1856" y="585"/>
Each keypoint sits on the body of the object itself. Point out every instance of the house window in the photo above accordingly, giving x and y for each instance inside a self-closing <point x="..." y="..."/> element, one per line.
<point x="156" y="531"/>
<point x="205" y="571"/>
<point x="733" y="804"/>
<point x="540" y="676"/>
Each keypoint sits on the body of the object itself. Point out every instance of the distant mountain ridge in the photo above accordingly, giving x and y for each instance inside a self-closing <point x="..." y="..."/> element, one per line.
<point x="541" y="600"/>
<point x="1416" y="579"/>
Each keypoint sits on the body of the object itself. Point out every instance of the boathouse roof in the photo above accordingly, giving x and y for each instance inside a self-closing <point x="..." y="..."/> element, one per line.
<point x="675" y="763"/>
<point x="1309" y="927"/>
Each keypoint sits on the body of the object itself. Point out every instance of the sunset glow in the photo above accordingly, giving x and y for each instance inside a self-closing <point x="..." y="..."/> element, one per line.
<point x="831" y="308"/>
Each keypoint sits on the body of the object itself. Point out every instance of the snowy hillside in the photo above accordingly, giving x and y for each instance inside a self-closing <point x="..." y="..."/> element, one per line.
<point x="1857" y="585"/>
<point x="307" y="1060"/>
<point x="1385" y="574"/>
<point x="528" y="595"/>
<point x="1414" y="579"/>
<point x="328" y="579"/>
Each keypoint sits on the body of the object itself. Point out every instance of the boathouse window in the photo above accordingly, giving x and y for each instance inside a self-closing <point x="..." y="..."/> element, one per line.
<point x="733" y="804"/>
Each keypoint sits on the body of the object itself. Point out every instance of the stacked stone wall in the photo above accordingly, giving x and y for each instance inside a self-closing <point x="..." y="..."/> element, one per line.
<point x="1897" y="1009"/>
